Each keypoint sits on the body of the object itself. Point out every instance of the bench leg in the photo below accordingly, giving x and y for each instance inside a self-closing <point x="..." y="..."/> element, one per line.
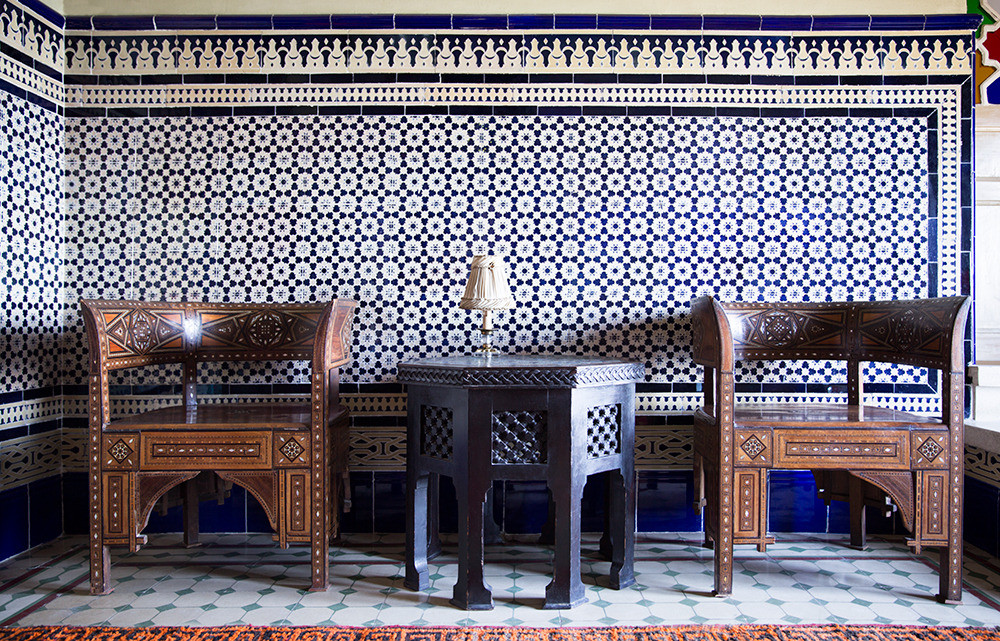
<point x="319" y="530"/>
<point x="100" y="569"/>
<point x="856" y="489"/>
<point x="191" y="512"/>
<point x="950" y="574"/>
<point x="723" y="540"/>
<point x="699" y="483"/>
<point x="950" y="568"/>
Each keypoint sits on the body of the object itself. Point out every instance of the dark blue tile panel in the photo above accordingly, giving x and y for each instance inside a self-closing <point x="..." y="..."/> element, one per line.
<point x="78" y="23"/>
<point x="786" y="23"/>
<point x="531" y="22"/>
<point x="76" y="517"/>
<point x="45" y="519"/>
<point x="576" y="22"/>
<point x="256" y="518"/>
<point x="45" y="11"/>
<point x="301" y="22"/>
<point x="231" y="516"/>
<point x="897" y="23"/>
<point x="982" y="515"/>
<point x="526" y="506"/>
<point x="623" y="22"/>
<point x="360" y="518"/>
<point x="793" y="505"/>
<point x="14" y="516"/>
<point x="122" y="23"/>
<point x="180" y="23"/>
<point x="479" y="22"/>
<point x="390" y="502"/>
<point x="956" y="21"/>
<point x="173" y="520"/>
<point x="359" y="21"/>
<point x="429" y="21"/>
<point x="732" y="23"/>
<point x="664" y="502"/>
<point x="841" y="23"/>
<point x="684" y="23"/>
<point x="243" y="22"/>
<point x="592" y="505"/>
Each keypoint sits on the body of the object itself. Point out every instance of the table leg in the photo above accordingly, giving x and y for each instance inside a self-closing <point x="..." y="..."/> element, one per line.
<point x="622" y="512"/>
<point x="566" y="589"/>
<point x="416" y="529"/>
<point x="471" y="591"/>
<point x="434" y="516"/>
<point x="606" y="546"/>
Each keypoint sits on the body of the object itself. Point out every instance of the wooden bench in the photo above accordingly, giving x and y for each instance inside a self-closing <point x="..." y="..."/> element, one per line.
<point x="291" y="457"/>
<point x="855" y="451"/>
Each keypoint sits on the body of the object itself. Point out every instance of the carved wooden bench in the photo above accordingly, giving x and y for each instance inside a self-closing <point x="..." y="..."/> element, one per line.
<point x="855" y="451"/>
<point x="282" y="454"/>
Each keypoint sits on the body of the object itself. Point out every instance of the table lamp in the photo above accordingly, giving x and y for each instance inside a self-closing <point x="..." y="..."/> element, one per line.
<point x="487" y="290"/>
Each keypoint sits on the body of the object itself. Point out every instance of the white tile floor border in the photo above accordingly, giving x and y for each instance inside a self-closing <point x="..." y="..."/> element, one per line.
<point x="247" y="580"/>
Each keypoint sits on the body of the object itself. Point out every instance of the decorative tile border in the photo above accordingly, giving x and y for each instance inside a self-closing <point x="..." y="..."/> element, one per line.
<point x="982" y="464"/>
<point x="31" y="458"/>
<point x="589" y="52"/>
<point x="180" y="51"/>
<point x="25" y="413"/>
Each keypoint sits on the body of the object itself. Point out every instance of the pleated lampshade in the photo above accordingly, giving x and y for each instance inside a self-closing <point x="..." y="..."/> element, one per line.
<point x="487" y="287"/>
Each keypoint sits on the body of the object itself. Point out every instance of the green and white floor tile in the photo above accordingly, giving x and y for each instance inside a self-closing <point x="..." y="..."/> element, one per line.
<point x="237" y="579"/>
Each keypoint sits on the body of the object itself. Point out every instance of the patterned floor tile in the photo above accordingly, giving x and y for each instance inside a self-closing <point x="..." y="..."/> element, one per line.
<point x="246" y="580"/>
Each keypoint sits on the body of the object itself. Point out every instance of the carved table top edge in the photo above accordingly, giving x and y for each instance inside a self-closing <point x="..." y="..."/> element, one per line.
<point x="520" y="371"/>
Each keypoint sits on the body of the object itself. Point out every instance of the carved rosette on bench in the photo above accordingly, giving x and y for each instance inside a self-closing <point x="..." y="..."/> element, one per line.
<point x="864" y="455"/>
<point x="292" y="457"/>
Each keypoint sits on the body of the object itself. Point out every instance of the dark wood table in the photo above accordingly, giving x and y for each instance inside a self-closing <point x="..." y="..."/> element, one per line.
<point x="553" y="418"/>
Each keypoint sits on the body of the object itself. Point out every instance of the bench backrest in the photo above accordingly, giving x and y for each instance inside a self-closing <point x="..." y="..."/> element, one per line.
<point x="133" y="333"/>
<point x="926" y="332"/>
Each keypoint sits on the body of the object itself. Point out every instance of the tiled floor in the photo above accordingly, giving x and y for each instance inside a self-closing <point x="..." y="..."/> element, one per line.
<point x="238" y="579"/>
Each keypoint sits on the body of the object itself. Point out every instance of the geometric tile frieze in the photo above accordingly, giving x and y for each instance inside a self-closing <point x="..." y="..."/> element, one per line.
<point x="29" y="412"/>
<point x="457" y="94"/>
<point x="983" y="465"/>
<point x="30" y="458"/>
<point x="519" y="52"/>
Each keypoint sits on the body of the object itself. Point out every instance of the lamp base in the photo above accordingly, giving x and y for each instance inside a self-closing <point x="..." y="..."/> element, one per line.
<point x="486" y="349"/>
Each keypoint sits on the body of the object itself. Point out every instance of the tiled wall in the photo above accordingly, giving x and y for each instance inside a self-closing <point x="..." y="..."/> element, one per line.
<point x="622" y="165"/>
<point x="31" y="152"/>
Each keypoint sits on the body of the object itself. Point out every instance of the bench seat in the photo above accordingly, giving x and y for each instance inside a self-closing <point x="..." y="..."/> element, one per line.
<point x="822" y="415"/>
<point x="225" y="416"/>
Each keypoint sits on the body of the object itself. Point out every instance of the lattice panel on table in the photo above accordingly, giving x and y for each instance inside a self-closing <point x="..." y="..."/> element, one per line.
<point x="520" y="437"/>
<point x="436" y="432"/>
<point x="633" y="215"/>
<point x="604" y="427"/>
<point x="31" y="249"/>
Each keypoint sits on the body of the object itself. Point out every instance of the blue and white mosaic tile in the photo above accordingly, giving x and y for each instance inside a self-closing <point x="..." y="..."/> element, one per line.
<point x="611" y="225"/>
<point x="30" y="260"/>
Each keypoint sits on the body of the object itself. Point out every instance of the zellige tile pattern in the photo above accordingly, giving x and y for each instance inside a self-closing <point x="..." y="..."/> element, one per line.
<point x="804" y="579"/>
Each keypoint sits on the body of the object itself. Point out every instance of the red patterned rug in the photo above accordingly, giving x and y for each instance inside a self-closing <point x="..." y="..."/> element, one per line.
<point x="654" y="633"/>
